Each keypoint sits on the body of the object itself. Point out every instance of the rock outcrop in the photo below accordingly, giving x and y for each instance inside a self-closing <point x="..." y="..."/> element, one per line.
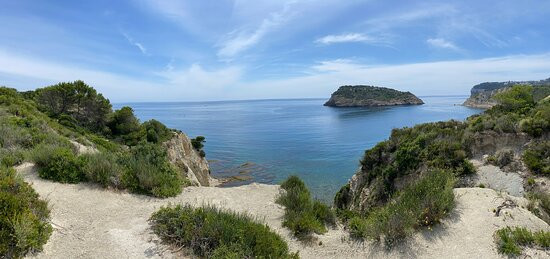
<point x="481" y="95"/>
<point x="365" y="96"/>
<point x="182" y="154"/>
<point x="483" y="99"/>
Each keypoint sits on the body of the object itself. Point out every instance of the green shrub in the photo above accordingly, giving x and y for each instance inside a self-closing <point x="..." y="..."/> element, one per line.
<point x="501" y="158"/>
<point x="213" y="233"/>
<point x="24" y="226"/>
<point x="197" y="144"/>
<point x="62" y="166"/>
<point x="517" y="99"/>
<point x="103" y="168"/>
<point x="42" y="154"/>
<point x="537" y="157"/>
<point x="148" y="171"/>
<point x="510" y="240"/>
<point x="303" y="216"/>
<point x="423" y="203"/>
<point x="156" y="131"/>
<point x="11" y="157"/>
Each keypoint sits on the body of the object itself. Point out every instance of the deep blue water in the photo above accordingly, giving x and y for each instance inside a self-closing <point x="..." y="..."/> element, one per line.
<point x="277" y="138"/>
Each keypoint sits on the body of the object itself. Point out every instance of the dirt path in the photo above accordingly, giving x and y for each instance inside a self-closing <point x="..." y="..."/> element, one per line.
<point x="91" y="222"/>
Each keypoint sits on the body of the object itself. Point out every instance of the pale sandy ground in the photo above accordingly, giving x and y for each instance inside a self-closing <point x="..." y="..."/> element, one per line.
<point x="91" y="222"/>
<point x="493" y="177"/>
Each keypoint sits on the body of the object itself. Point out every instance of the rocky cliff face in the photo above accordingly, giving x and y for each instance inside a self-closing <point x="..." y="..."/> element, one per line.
<point x="482" y="94"/>
<point x="364" y="96"/>
<point x="182" y="154"/>
<point x="483" y="99"/>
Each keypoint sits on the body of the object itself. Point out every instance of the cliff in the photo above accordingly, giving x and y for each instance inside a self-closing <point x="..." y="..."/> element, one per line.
<point x="182" y="154"/>
<point x="483" y="99"/>
<point x="481" y="95"/>
<point x="364" y="96"/>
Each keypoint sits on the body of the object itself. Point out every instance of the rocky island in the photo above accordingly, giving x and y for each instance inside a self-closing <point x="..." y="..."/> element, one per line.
<point x="365" y="96"/>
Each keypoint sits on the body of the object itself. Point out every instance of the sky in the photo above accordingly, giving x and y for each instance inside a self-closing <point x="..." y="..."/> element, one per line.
<point x="201" y="50"/>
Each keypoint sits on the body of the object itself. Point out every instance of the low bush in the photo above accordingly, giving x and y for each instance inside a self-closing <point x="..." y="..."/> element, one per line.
<point x="197" y="144"/>
<point x="62" y="165"/>
<point x="510" y="240"/>
<point x="210" y="232"/>
<point x="423" y="203"/>
<point x="11" y="157"/>
<point x="537" y="157"/>
<point x="24" y="226"/>
<point x="303" y="216"/>
<point x="156" y="131"/>
<point x="103" y="168"/>
<point x="502" y="158"/>
<point x="539" y="204"/>
<point x="149" y="172"/>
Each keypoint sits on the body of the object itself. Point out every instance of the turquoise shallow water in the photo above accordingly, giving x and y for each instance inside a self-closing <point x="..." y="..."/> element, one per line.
<point x="271" y="139"/>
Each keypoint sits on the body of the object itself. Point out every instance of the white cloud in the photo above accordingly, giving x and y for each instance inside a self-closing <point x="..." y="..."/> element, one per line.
<point x="349" y="37"/>
<point x="240" y="40"/>
<point x="442" y="43"/>
<point x="197" y="77"/>
<point x="135" y="43"/>
<point x="337" y="65"/>
<point x="197" y="83"/>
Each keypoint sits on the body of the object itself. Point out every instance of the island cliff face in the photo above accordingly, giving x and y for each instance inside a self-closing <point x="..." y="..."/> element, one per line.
<point x="181" y="154"/>
<point x="365" y="96"/>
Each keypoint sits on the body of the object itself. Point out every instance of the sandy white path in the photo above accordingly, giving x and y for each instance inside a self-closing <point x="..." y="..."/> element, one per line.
<point x="91" y="222"/>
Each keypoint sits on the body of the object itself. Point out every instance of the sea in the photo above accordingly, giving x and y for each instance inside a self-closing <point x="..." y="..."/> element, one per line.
<point x="266" y="141"/>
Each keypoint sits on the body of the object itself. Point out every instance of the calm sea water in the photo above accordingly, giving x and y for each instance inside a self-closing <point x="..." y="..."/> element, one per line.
<point x="269" y="140"/>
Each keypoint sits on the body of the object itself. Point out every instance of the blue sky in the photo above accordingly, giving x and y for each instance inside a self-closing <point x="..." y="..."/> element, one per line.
<point x="183" y="50"/>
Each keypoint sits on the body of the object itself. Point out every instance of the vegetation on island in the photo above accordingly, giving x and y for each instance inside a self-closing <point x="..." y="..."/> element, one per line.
<point x="209" y="232"/>
<point x="303" y="215"/>
<point x="409" y="177"/>
<point x="364" y="95"/>
<point x="510" y="241"/>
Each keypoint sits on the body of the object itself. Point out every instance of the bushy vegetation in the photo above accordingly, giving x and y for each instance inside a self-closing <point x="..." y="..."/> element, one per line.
<point x="501" y="158"/>
<point x="539" y="204"/>
<point x="62" y="165"/>
<point x="210" y="232"/>
<point x="37" y="125"/>
<point x="74" y="103"/>
<point x="105" y="169"/>
<point x="400" y="173"/>
<point x="424" y="203"/>
<point x="197" y="144"/>
<point x="24" y="226"/>
<point x="149" y="172"/>
<point x="537" y="157"/>
<point x="303" y="215"/>
<point x="371" y="92"/>
<point x="440" y="145"/>
<point x="517" y="112"/>
<point x="511" y="240"/>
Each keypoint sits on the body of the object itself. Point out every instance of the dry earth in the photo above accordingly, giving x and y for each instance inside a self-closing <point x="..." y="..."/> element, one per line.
<point x="91" y="222"/>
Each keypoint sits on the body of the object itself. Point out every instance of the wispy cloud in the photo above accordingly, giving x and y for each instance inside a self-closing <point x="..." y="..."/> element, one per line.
<point x="240" y="40"/>
<point x="442" y="44"/>
<point x="337" y="65"/>
<point x="135" y="43"/>
<point x="349" y="37"/>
